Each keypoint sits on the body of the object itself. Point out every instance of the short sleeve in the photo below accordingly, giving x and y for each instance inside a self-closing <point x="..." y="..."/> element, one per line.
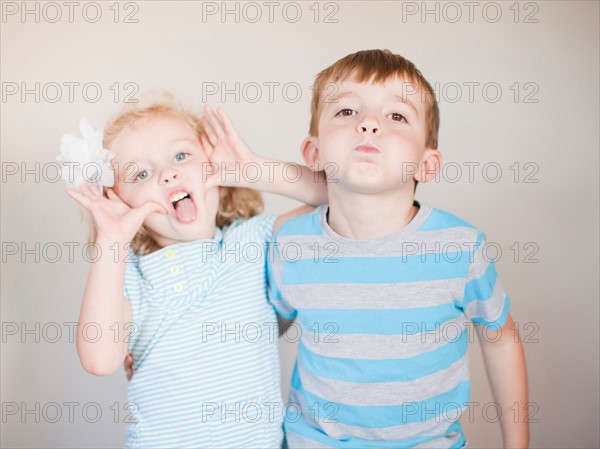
<point x="275" y="268"/>
<point x="265" y="223"/>
<point x="256" y="229"/>
<point x="133" y="278"/>
<point x="484" y="300"/>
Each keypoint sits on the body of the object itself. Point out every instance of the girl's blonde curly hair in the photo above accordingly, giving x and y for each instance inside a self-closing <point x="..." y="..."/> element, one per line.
<point x="234" y="203"/>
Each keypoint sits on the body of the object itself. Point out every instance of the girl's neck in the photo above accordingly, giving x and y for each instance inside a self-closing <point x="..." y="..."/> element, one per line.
<point x="161" y="242"/>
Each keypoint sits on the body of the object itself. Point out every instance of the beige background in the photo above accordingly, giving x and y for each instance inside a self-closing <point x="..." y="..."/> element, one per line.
<point x="172" y="45"/>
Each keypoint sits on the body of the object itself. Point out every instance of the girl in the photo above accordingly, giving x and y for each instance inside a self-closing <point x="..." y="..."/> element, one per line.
<point x="192" y="291"/>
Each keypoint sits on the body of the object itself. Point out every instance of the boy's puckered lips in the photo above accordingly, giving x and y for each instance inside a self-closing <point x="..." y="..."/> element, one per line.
<point x="367" y="148"/>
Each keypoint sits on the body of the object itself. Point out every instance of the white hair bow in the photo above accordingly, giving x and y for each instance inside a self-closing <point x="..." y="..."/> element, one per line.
<point x="84" y="158"/>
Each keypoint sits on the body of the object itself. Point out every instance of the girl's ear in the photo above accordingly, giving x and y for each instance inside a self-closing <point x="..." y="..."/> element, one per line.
<point x="430" y="166"/>
<point x="310" y="152"/>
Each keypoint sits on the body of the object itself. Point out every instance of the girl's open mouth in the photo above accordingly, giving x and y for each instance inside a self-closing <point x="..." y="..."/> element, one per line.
<point x="183" y="206"/>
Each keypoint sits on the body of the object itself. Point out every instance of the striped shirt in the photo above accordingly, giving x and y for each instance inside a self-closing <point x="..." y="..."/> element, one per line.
<point x="383" y="324"/>
<point x="206" y="364"/>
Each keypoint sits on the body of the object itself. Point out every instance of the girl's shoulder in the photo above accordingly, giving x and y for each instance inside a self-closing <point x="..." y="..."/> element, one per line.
<point x="258" y="227"/>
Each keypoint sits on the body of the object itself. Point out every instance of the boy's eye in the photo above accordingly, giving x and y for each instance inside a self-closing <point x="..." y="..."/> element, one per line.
<point x="142" y="175"/>
<point x="397" y="117"/>
<point x="181" y="156"/>
<point x="346" y="113"/>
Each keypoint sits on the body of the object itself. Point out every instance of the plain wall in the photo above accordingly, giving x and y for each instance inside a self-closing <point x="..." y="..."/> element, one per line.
<point x="532" y="112"/>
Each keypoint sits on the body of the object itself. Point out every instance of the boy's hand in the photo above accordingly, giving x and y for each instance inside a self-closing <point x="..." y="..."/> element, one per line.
<point x="505" y="364"/>
<point x="224" y="148"/>
<point x="113" y="219"/>
<point x="235" y="165"/>
<point x="128" y="365"/>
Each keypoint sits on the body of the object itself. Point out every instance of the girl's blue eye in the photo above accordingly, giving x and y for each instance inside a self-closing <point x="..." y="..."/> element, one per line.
<point x="142" y="175"/>
<point x="180" y="156"/>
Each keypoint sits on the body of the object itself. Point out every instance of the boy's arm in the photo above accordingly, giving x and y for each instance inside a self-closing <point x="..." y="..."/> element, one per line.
<point x="292" y="180"/>
<point x="505" y="365"/>
<point x="234" y="164"/>
<point x="285" y="317"/>
<point x="285" y="323"/>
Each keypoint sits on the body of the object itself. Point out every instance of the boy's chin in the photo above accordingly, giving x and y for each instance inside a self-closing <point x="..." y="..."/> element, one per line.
<point x="365" y="188"/>
<point x="369" y="186"/>
<point x="367" y="181"/>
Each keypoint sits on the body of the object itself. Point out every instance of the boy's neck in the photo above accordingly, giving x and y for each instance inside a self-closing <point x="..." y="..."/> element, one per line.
<point x="366" y="217"/>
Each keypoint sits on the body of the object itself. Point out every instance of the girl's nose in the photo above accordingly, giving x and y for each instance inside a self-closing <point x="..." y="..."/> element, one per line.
<point x="169" y="176"/>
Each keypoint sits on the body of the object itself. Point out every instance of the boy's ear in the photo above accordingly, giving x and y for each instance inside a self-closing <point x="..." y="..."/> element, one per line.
<point x="310" y="152"/>
<point x="431" y="164"/>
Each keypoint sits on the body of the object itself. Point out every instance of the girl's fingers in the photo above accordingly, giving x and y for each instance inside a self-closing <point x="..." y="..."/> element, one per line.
<point x="209" y="130"/>
<point x="236" y="142"/>
<point x="93" y="190"/>
<point x="111" y="194"/>
<point x="206" y="146"/>
<point x="150" y="207"/>
<point x="90" y="190"/>
<point x="205" y="142"/>
<point x="215" y="122"/>
<point x="227" y="125"/>
<point x="116" y="199"/>
<point x="84" y="189"/>
<point x="81" y="199"/>
<point x="210" y="125"/>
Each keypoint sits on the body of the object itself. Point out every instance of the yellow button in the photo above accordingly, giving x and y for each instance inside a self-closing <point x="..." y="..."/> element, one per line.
<point x="174" y="269"/>
<point x="178" y="287"/>
<point x="170" y="254"/>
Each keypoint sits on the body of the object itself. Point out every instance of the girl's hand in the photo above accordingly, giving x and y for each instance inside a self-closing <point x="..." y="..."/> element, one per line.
<point x="113" y="219"/>
<point x="224" y="148"/>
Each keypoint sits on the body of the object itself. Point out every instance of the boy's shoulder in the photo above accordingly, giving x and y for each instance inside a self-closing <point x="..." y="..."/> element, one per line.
<point x="434" y="226"/>
<point x="311" y="223"/>
<point x="444" y="225"/>
<point x="308" y="223"/>
<point x="442" y="219"/>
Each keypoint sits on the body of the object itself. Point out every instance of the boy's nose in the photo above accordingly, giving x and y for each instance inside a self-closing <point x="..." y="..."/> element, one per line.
<point x="369" y="126"/>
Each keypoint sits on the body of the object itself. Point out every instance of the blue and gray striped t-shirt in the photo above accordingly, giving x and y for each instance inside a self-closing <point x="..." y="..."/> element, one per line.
<point x="204" y="344"/>
<point x="382" y="358"/>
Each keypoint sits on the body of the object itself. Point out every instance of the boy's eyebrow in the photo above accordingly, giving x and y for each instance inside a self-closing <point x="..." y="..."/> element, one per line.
<point x="335" y="98"/>
<point x="406" y="101"/>
<point x="400" y="98"/>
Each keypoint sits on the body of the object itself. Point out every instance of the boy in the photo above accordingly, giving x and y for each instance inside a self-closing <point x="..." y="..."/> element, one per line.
<point x="384" y="287"/>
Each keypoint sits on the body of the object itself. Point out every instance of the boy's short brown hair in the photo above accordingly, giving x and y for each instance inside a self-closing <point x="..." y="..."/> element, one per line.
<point x="378" y="66"/>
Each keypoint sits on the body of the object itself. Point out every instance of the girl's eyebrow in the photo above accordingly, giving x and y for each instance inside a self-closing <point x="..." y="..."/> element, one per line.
<point x="182" y="139"/>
